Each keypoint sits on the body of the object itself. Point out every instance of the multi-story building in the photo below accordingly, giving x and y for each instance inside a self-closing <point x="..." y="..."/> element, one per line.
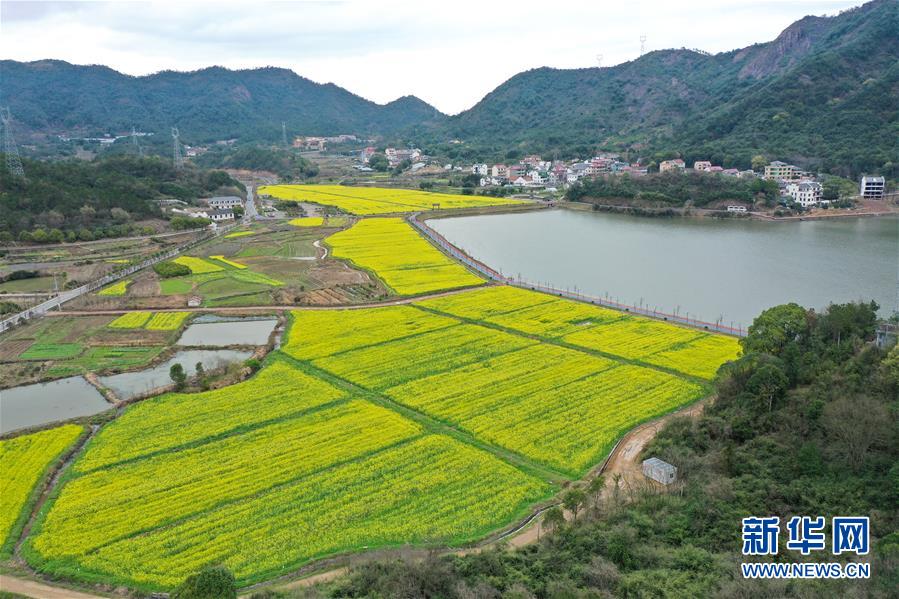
<point x="479" y="169"/>
<point x="872" y="188"/>
<point x="805" y="193"/>
<point x="671" y="165"/>
<point x="702" y="165"/>
<point x="781" y="171"/>
<point x="499" y="171"/>
<point x="222" y="202"/>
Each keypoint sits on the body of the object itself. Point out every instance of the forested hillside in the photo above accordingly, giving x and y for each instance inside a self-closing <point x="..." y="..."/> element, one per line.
<point x="207" y="105"/>
<point x="103" y="198"/>
<point x="823" y="94"/>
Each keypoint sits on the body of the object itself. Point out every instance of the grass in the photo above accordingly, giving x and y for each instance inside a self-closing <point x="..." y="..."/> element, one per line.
<point x="24" y="462"/>
<point x="375" y="200"/>
<point x="394" y="251"/>
<point x="237" y="234"/>
<point x="51" y="351"/>
<point x="102" y="357"/>
<point x="32" y="285"/>
<point x="119" y="288"/>
<point x="175" y="286"/>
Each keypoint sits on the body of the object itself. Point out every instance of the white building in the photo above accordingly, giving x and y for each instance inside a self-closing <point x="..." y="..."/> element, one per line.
<point x="220" y="202"/>
<point x="659" y="471"/>
<point x="872" y="188"/>
<point x="671" y="165"/>
<point x="702" y="165"/>
<point x="805" y="193"/>
<point x="219" y="215"/>
<point x="480" y="169"/>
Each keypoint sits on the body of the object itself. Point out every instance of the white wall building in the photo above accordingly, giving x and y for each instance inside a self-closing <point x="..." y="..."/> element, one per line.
<point x="806" y="193"/>
<point x="872" y="188"/>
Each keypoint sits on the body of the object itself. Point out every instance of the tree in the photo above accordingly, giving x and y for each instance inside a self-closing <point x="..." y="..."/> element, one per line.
<point x="553" y="518"/>
<point x="379" y="162"/>
<point x="768" y="383"/>
<point x="775" y="328"/>
<point x="854" y="424"/>
<point x="178" y="376"/>
<point x="212" y="582"/>
<point x="759" y="163"/>
<point x="595" y="488"/>
<point x="573" y="500"/>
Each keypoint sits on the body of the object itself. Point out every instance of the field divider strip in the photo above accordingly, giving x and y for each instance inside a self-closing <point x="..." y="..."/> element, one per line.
<point x="571" y="346"/>
<point x="435" y="425"/>
<point x="236" y="500"/>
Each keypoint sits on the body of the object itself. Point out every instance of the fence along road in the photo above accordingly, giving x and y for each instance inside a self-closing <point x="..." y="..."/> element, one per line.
<point x="494" y="275"/>
<point x="57" y="301"/>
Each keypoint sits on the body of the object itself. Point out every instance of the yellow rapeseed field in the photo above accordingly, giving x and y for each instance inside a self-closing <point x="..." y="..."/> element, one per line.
<point x="367" y="201"/>
<point x="310" y="221"/>
<point x="166" y="321"/>
<point x="118" y="288"/>
<point x="230" y="263"/>
<point x="394" y="251"/>
<point x="197" y="266"/>
<point x="130" y="320"/>
<point x="23" y="462"/>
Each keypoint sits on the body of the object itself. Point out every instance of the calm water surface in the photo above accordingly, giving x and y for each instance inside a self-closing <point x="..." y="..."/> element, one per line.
<point x="244" y="331"/>
<point x="705" y="267"/>
<point x="130" y="384"/>
<point x="31" y="405"/>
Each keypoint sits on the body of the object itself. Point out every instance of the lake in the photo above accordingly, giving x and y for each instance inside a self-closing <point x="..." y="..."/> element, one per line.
<point x="709" y="268"/>
<point x="42" y="403"/>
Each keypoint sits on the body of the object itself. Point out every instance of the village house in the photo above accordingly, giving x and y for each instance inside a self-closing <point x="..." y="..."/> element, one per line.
<point x="781" y="171"/>
<point x="806" y="193"/>
<point x="671" y="165"/>
<point x="702" y="165"/>
<point x="499" y="171"/>
<point x="479" y="169"/>
<point x="220" y="202"/>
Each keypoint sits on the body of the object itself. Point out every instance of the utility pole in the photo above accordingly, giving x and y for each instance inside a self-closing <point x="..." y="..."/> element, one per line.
<point x="177" y="157"/>
<point x="642" y="44"/>
<point x="13" y="160"/>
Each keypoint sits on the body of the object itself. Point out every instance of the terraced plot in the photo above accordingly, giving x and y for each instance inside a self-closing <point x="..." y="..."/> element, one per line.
<point x="118" y="288"/>
<point x="262" y="477"/>
<point x="23" y="463"/>
<point x="407" y="263"/>
<point x="689" y="351"/>
<point x="375" y="200"/>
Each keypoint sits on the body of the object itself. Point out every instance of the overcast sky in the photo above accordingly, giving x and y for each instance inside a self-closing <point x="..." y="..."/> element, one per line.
<point x="448" y="53"/>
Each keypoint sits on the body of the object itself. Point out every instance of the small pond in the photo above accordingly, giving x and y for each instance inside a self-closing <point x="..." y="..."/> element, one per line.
<point x="218" y="331"/>
<point x="42" y="403"/>
<point x="131" y="384"/>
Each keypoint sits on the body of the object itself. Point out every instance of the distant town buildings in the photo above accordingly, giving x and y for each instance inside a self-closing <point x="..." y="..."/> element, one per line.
<point x="321" y="143"/>
<point x="872" y="188"/>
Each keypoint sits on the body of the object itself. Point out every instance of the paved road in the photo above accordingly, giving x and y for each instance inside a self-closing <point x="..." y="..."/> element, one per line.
<point x="38" y="590"/>
<point x="249" y="211"/>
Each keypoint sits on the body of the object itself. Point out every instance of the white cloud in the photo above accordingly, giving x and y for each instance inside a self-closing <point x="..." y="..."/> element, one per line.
<point x="448" y="53"/>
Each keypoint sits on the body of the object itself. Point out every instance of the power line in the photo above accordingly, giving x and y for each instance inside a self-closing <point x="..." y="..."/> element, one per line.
<point x="13" y="160"/>
<point x="177" y="157"/>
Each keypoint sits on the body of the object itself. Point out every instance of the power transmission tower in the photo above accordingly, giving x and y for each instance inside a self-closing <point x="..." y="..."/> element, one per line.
<point x="135" y="143"/>
<point x="284" y="133"/>
<point x="599" y="60"/>
<point x="13" y="160"/>
<point x="177" y="157"/>
<point x="642" y="45"/>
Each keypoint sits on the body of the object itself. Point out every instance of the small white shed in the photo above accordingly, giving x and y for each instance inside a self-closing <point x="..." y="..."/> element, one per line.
<point x="659" y="471"/>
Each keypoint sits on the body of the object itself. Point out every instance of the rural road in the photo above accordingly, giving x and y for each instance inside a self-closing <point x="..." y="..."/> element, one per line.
<point x="38" y="590"/>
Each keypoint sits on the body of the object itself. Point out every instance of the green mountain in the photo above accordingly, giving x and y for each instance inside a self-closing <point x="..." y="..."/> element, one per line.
<point x="823" y="94"/>
<point x="207" y="105"/>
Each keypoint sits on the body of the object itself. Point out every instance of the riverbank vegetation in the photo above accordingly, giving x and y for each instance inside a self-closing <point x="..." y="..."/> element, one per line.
<point x="675" y="189"/>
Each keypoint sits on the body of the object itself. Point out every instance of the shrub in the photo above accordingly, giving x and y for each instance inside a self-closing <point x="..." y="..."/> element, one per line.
<point x="212" y="582"/>
<point x="167" y="270"/>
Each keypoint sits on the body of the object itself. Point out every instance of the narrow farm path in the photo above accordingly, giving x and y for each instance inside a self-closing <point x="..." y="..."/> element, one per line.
<point x="39" y="590"/>
<point x="392" y="302"/>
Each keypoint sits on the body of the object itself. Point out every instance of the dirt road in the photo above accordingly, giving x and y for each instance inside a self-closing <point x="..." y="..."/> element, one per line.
<point x="38" y="590"/>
